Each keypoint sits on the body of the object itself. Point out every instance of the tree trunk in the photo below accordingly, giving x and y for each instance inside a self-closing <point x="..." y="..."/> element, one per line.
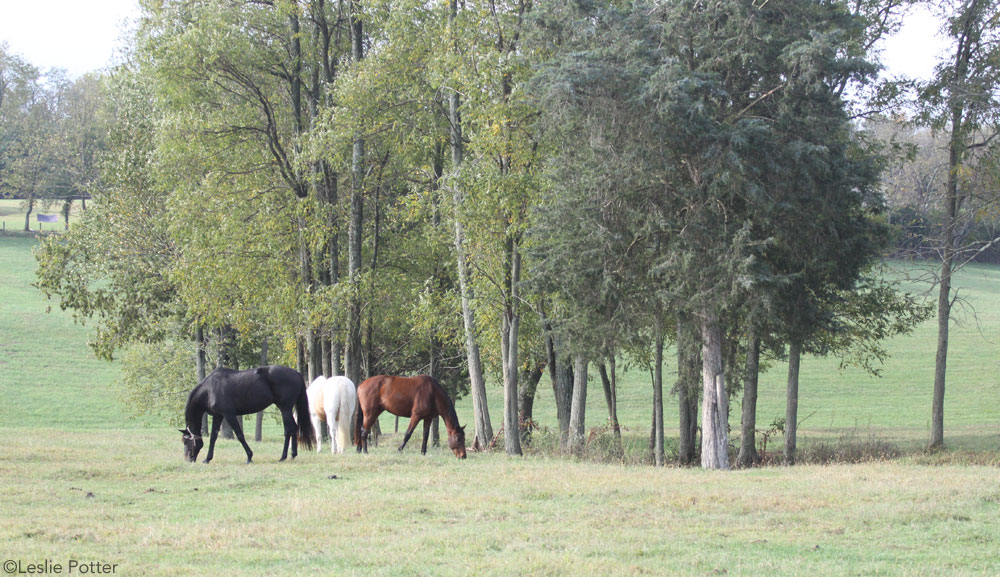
<point x="527" y="387"/>
<point x="354" y="233"/>
<point x="200" y="364"/>
<point x="66" y="208"/>
<point x="258" y="431"/>
<point x="325" y="353"/>
<point x="561" y="377"/>
<point x="433" y="370"/>
<point x="331" y="358"/>
<point x="659" y="457"/>
<point x="748" y="438"/>
<point x="951" y="202"/>
<point x="578" y="409"/>
<point x="509" y="334"/>
<point x="688" y="384"/>
<point x="480" y="408"/>
<point x="27" y="215"/>
<point x="792" y="400"/>
<point x="715" y="401"/>
<point x="610" y="385"/>
<point x="225" y="360"/>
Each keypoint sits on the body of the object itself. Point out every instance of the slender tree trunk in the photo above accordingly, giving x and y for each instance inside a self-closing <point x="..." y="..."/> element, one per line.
<point x="689" y="367"/>
<point x="659" y="457"/>
<point x="66" y="208"/>
<point x="511" y="325"/>
<point x="354" y="344"/>
<point x="792" y="400"/>
<point x="433" y="370"/>
<point x="610" y="386"/>
<point x="225" y="360"/>
<point x="527" y="387"/>
<point x="258" y="431"/>
<point x="200" y="365"/>
<point x="748" y="440"/>
<point x="27" y="215"/>
<point x="561" y="377"/>
<point x="480" y="408"/>
<point x="369" y="362"/>
<point x="578" y="410"/>
<point x="951" y="202"/>
<point x="325" y="353"/>
<point x="941" y="358"/>
<point x="715" y="409"/>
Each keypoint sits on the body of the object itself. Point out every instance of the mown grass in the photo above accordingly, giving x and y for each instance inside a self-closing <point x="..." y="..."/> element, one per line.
<point x="79" y="480"/>
<point x="128" y="498"/>
<point x="48" y="377"/>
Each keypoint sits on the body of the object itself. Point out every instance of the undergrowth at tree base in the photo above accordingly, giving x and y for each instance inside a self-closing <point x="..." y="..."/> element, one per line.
<point x="851" y="447"/>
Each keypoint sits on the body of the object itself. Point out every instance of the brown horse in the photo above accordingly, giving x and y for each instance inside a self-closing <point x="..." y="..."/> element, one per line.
<point x="419" y="397"/>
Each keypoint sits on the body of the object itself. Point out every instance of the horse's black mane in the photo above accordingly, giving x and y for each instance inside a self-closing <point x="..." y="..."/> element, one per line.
<point x="451" y="404"/>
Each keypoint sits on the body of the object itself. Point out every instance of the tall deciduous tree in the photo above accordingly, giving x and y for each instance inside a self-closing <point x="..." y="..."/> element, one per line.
<point x="964" y="100"/>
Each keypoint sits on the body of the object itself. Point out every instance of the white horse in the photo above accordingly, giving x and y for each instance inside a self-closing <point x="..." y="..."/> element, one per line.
<point x="332" y="400"/>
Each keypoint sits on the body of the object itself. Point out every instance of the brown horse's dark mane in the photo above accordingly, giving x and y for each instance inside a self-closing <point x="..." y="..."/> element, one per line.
<point x="451" y="415"/>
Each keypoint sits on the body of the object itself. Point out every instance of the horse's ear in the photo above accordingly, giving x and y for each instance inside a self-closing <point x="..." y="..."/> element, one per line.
<point x="183" y="431"/>
<point x="463" y="428"/>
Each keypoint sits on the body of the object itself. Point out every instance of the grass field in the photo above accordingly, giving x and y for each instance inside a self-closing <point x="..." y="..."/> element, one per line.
<point x="81" y="483"/>
<point x="12" y="216"/>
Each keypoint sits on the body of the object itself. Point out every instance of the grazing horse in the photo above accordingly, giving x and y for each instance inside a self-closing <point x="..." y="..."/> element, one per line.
<point x="226" y="393"/>
<point x="332" y="400"/>
<point x="419" y="397"/>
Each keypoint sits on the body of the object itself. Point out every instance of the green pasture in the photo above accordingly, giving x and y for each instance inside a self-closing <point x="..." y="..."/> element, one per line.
<point x="126" y="497"/>
<point x="83" y="482"/>
<point x="12" y="216"/>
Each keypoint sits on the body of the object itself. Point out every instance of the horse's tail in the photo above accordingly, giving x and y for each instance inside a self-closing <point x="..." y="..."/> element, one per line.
<point x="307" y="436"/>
<point x="348" y="399"/>
<point x="359" y="416"/>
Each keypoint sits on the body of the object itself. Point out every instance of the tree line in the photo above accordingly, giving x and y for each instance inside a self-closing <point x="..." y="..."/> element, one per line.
<point x="503" y="190"/>
<point x="51" y="134"/>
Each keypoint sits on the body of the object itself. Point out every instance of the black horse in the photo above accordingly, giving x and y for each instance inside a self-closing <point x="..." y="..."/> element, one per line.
<point x="226" y="393"/>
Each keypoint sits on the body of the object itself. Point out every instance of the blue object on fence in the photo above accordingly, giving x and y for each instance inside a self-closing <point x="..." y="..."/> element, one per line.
<point x="47" y="217"/>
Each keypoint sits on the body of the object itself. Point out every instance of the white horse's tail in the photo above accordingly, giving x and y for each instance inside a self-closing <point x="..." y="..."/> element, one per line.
<point x="347" y="395"/>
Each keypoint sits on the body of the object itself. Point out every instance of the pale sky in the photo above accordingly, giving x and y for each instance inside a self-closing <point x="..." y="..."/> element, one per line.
<point x="77" y="35"/>
<point x="81" y="35"/>
<point x="915" y="49"/>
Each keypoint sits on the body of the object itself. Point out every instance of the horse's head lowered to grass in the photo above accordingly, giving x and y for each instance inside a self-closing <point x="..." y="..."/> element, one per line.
<point x="456" y="441"/>
<point x="192" y="444"/>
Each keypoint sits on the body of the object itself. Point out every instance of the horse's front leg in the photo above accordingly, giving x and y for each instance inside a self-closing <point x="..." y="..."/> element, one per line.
<point x="216" y="425"/>
<point x="363" y="441"/>
<point x="427" y="431"/>
<point x="238" y="431"/>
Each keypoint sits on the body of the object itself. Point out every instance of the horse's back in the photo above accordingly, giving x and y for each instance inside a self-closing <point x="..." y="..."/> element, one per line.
<point x="398" y="395"/>
<point x="252" y="390"/>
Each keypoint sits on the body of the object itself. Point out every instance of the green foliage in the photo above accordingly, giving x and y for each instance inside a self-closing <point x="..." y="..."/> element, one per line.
<point x="156" y="379"/>
<point x="112" y="266"/>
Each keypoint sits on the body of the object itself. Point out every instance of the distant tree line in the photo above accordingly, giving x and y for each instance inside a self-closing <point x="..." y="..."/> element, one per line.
<point x="51" y="133"/>
<point x="502" y="191"/>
